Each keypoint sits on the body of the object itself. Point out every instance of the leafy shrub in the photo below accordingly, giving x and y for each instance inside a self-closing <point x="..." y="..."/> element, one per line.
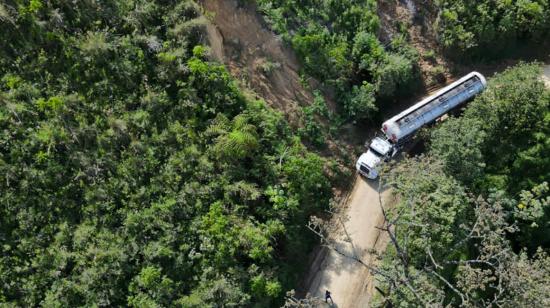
<point x="361" y="102"/>
<point x="466" y="25"/>
<point x="337" y="43"/>
<point x="393" y="75"/>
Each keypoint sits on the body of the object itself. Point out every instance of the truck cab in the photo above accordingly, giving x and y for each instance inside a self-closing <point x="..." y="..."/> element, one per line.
<point x="379" y="150"/>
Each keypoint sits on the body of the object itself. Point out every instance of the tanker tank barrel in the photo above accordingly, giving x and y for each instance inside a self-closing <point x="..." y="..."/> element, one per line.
<point x="405" y="124"/>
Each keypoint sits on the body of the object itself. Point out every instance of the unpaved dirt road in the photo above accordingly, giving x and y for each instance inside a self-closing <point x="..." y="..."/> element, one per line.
<point x="349" y="282"/>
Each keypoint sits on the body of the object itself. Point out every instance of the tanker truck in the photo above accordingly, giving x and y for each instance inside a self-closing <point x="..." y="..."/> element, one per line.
<point x="398" y="130"/>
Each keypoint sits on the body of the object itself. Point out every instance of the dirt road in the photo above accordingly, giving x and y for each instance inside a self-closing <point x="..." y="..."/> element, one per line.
<point x="350" y="283"/>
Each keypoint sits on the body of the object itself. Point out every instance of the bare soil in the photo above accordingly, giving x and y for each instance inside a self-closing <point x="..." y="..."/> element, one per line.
<point x="255" y="55"/>
<point x="239" y="38"/>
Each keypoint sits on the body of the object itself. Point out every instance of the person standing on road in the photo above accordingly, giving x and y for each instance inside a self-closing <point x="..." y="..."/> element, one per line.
<point x="327" y="297"/>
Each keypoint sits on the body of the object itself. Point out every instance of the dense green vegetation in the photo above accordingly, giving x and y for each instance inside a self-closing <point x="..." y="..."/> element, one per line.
<point x="502" y="140"/>
<point x="337" y="43"/>
<point x="469" y="25"/>
<point x="474" y="213"/>
<point x="133" y="172"/>
<point x="502" y="143"/>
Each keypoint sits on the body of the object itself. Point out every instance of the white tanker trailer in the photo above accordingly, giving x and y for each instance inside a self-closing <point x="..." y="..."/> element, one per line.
<point x="399" y="129"/>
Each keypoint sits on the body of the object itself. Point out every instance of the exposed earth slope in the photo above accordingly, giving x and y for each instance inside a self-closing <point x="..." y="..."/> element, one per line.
<point x="256" y="55"/>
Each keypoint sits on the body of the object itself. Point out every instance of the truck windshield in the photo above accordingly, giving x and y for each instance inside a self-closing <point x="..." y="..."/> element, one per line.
<point x="375" y="152"/>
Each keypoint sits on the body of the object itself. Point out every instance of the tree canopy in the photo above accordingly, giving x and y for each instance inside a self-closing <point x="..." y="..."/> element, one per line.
<point x="467" y="25"/>
<point x="338" y="44"/>
<point x="502" y="139"/>
<point x="134" y="172"/>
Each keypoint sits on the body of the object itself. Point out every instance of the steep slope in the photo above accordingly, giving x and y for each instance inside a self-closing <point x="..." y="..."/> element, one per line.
<point x="256" y="55"/>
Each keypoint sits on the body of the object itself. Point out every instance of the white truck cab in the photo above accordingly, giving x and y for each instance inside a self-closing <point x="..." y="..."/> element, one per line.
<point x="379" y="149"/>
